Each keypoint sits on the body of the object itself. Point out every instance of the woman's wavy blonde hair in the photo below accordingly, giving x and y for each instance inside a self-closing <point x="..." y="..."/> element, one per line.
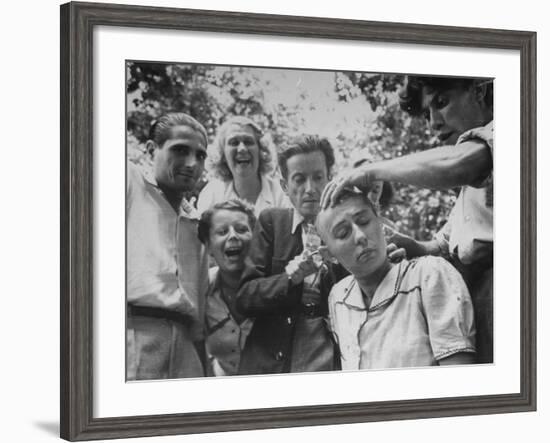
<point x="217" y="163"/>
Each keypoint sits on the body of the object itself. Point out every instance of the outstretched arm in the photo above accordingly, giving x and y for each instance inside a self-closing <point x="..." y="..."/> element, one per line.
<point x="445" y="167"/>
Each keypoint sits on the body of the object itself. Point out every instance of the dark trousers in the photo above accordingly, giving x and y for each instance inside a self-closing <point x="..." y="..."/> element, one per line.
<point x="479" y="279"/>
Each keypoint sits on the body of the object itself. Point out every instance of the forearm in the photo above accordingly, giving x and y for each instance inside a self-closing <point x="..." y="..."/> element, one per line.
<point x="415" y="248"/>
<point x="266" y="295"/>
<point x="443" y="167"/>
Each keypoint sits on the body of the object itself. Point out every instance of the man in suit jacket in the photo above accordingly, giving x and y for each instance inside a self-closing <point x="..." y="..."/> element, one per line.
<point x="285" y="286"/>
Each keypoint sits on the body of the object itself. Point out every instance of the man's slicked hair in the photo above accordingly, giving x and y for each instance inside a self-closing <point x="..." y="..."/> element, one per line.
<point x="160" y="129"/>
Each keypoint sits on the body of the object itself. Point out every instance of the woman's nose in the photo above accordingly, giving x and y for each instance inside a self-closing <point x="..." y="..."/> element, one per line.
<point x="359" y="236"/>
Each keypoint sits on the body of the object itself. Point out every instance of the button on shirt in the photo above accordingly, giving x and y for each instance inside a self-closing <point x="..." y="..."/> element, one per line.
<point x="225" y="336"/>
<point x="217" y="191"/>
<point x="167" y="265"/>
<point x="420" y="313"/>
<point x="468" y="233"/>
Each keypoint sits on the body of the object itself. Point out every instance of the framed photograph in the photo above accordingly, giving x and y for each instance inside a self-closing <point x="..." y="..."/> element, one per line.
<point x="273" y="221"/>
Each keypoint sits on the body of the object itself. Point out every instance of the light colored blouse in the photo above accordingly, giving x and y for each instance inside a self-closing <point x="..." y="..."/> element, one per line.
<point x="225" y="337"/>
<point x="468" y="233"/>
<point x="420" y="313"/>
<point x="217" y="191"/>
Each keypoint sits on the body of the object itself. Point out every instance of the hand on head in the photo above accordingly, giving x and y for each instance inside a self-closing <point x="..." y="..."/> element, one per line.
<point x="362" y="178"/>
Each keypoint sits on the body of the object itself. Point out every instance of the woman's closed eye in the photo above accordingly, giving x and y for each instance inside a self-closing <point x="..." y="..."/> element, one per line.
<point x="341" y="231"/>
<point x="362" y="221"/>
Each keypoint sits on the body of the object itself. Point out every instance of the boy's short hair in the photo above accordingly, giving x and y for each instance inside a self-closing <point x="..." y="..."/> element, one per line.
<point x="346" y="194"/>
<point x="236" y="204"/>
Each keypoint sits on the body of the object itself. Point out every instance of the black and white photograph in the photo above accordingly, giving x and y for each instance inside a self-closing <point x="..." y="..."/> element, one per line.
<point x="294" y="221"/>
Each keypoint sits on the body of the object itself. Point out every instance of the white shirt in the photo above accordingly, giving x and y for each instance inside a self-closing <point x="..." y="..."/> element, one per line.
<point x="167" y="266"/>
<point x="217" y="191"/>
<point x="420" y="313"/>
<point x="468" y="233"/>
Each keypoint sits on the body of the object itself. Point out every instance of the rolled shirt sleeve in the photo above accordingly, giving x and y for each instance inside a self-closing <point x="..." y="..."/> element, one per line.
<point x="448" y="309"/>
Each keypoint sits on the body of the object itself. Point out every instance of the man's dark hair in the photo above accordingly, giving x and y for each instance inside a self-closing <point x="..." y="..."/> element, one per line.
<point x="305" y="145"/>
<point x="160" y="129"/>
<point x="410" y="95"/>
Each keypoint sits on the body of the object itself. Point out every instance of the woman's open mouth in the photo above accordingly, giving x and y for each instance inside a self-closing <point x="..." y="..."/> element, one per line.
<point x="233" y="252"/>
<point x="243" y="161"/>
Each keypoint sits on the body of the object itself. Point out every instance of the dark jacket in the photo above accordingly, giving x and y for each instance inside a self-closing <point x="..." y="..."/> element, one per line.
<point x="267" y="294"/>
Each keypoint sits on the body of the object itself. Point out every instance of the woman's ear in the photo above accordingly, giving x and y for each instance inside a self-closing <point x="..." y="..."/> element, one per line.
<point x="375" y="192"/>
<point x="150" y="146"/>
<point x="480" y="91"/>
<point x="326" y="255"/>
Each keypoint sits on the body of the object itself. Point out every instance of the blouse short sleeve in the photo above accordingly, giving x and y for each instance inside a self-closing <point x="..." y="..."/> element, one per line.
<point x="447" y="307"/>
<point x="207" y="197"/>
<point x="483" y="135"/>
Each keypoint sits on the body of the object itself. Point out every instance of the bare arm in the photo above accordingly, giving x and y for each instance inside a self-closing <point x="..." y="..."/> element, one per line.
<point x="444" y="167"/>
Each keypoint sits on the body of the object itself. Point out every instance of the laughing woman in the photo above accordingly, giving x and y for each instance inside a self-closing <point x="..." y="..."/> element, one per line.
<point x="241" y="162"/>
<point x="226" y="230"/>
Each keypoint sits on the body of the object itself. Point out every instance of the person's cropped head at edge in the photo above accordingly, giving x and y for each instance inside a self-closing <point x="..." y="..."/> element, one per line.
<point x="452" y="105"/>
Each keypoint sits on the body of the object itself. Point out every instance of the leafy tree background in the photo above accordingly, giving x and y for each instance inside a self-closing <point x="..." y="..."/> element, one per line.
<point x="358" y="112"/>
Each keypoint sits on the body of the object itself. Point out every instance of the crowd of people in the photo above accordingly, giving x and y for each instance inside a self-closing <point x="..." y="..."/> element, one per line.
<point x="280" y="267"/>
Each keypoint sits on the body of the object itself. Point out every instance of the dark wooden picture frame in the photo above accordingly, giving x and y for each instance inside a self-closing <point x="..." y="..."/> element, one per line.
<point x="77" y="23"/>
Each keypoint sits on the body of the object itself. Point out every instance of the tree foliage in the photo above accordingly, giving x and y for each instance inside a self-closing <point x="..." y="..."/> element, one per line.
<point x="361" y="109"/>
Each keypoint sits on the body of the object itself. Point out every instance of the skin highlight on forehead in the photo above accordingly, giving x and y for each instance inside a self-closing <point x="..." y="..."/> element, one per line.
<point x="186" y="133"/>
<point x="336" y="214"/>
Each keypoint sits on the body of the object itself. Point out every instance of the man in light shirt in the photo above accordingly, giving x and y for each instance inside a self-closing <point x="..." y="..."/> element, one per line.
<point x="167" y="268"/>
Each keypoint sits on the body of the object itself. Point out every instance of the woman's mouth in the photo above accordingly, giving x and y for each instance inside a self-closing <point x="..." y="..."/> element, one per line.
<point x="243" y="161"/>
<point x="364" y="255"/>
<point x="233" y="252"/>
